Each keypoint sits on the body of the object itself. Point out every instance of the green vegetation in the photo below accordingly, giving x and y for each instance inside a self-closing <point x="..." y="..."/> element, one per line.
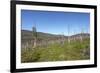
<point x="75" y="50"/>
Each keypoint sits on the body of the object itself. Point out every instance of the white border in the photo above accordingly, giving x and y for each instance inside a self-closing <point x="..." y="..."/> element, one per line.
<point x="20" y="65"/>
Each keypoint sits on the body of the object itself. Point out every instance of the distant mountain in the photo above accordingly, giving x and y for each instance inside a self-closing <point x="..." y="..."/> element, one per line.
<point x="28" y="35"/>
<point x="25" y="34"/>
<point x="81" y="34"/>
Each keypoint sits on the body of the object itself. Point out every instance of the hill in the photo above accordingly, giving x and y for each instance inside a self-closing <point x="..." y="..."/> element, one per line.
<point x="28" y="34"/>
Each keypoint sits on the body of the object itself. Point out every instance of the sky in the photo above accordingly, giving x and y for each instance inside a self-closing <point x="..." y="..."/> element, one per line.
<point x="66" y="23"/>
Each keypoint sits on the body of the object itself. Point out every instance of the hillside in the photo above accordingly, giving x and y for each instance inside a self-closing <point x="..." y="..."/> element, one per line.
<point x="28" y="34"/>
<point x="25" y="34"/>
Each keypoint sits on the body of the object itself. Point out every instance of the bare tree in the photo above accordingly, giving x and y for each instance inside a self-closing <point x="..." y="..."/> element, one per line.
<point x="35" y="36"/>
<point x="81" y="37"/>
<point x="62" y="38"/>
<point x="68" y="33"/>
<point x="74" y="38"/>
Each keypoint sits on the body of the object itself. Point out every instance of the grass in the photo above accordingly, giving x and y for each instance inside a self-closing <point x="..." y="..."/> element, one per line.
<point x="75" y="50"/>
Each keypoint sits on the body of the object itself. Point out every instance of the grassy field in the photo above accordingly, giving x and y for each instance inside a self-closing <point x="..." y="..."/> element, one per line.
<point x="75" y="50"/>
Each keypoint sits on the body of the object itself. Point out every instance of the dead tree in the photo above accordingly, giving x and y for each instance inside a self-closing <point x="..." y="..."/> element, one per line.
<point x="62" y="38"/>
<point x="68" y="34"/>
<point x="35" y="36"/>
<point x="74" y="34"/>
<point x="81" y="36"/>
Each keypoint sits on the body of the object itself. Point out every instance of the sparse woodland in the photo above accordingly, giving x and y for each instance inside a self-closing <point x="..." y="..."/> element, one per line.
<point x="44" y="47"/>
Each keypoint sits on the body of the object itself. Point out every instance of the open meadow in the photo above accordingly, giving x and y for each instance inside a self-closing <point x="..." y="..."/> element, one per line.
<point x="75" y="50"/>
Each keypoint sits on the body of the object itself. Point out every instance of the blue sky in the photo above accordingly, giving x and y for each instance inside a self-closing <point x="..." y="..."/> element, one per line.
<point x="67" y="23"/>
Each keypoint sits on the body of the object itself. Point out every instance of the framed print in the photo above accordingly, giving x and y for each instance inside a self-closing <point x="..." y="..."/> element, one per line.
<point x="52" y="36"/>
